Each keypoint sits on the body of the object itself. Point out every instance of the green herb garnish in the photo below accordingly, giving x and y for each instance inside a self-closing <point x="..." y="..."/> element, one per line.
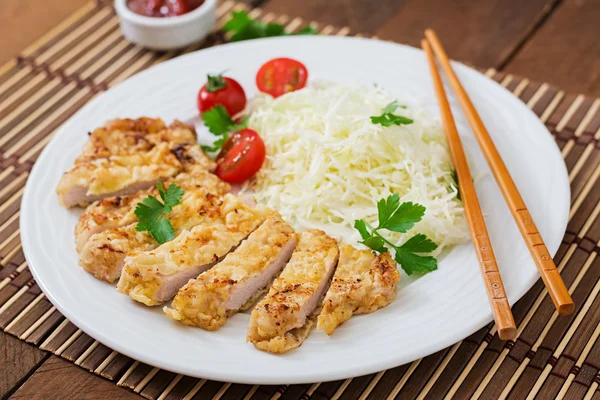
<point x="388" y="118"/>
<point x="219" y="123"/>
<point x="151" y="213"/>
<point x="243" y="27"/>
<point x="397" y="217"/>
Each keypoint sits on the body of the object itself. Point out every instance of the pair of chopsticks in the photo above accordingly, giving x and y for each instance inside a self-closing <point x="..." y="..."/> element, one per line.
<point x="489" y="269"/>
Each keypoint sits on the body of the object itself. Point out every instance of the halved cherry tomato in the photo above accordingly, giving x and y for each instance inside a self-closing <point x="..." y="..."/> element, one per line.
<point x="222" y="91"/>
<point x="241" y="156"/>
<point x="280" y="76"/>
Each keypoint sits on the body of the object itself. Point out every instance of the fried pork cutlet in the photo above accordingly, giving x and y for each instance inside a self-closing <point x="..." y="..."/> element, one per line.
<point x="232" y="284"/>
<point x="129" y="136"/>
<point x="121" y="175"/>
<point x="284" y="318"/>
<point x="118" y="211"/>
<point x="103" y="254"/>
<point x="363" y="283"/>
<point x="153" y="277"/>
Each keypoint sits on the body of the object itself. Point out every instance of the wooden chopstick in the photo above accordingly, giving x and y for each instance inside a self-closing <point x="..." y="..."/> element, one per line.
<point x="545" y="265"/>
<point x="481" y="242"/>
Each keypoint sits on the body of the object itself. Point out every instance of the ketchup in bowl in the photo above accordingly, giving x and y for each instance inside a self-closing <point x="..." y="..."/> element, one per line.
<point x="163" y="8"/>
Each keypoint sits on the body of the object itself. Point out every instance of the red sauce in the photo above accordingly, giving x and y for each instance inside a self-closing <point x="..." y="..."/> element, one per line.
<point x="163" y="8"/>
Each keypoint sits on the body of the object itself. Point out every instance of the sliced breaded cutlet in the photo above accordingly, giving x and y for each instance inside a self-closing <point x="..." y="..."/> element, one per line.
<point x="118" y="211"/>
<point x="363" y="282"/>
<point x="232" y="284"/>
<point x="103" y="253"/>
<point x="129" y="136"/>
<point x="153" y="277"/>
<point x="283" y="319"/>
<point x="121" y="175"/>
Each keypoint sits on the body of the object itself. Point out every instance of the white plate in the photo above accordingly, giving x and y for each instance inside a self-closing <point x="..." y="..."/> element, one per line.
<point x="429" y="314"/>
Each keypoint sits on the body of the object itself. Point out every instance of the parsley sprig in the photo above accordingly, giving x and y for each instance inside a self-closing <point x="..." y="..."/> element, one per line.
<point x="151" y="213"/>
<point x="243" y="27"/>
<point x="220" y="124"/>
<point x="397" y="217"/>
<point x="388" y="118"/>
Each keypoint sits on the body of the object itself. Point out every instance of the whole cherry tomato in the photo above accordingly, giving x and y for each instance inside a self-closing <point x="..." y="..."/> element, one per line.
<point x="224" y="91"/>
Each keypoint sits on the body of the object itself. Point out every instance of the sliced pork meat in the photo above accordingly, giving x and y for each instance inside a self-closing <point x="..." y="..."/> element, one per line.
<point x="232" y="284"/>
<point x="363" y="282"/>
<point x="153" y="277"/>
<point x="118" y="211"/>
<point x="103" y="253"/>
<point x="126" y="174"/>
<point x="284" y="318"/>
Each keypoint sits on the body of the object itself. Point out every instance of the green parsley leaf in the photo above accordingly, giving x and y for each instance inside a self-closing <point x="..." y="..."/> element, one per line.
<point x="171" y="197"/>
<point x="239" y="20"/>
<point x="217" y="120"/>
<point x="419" y="244"/>
<point x="215" y="82"/>
<point x="308" y="30"/>
<point x="361" y="227"/>
<point x="414" y="264"/>
<point x="397" y="217"/>
<point x="389" y="119"/>
<point x="242" y="27"/>
<point x="274" y="30"/>
<point x="219" y="123"/>
<point x="404" y="217"/>
<point x="151" y="213"/>
<point x="386" y="207"/>
<point x="375" y="243"/>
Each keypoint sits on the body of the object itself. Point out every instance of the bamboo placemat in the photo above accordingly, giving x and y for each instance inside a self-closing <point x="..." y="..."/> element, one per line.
<point x="552" y="357"/>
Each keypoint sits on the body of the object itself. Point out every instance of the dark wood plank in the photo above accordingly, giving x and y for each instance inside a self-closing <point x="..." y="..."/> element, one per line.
<point x="362" y="16"/>
<point x="59" y="379"/>
<point x="17" y="361"/>
<point x="565" y="51"/>
<point x="484" y="33"/>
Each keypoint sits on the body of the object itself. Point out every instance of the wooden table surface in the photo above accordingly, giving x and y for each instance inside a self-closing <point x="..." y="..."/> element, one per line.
<point x="555" y="41"/>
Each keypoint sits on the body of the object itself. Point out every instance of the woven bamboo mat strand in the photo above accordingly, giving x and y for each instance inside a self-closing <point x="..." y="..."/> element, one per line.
<point x="551" y="357"/>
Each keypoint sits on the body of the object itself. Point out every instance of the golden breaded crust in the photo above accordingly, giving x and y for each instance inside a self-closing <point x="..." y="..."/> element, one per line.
<point x="204" y="244"/>
<point x="288" y="340"/>
<point x="202" y="301"/>
<point x="127" y="174"/>
<point x="117" y="211"/>
<point x="109" y="213"/>
<point x="103" y="254"/>
<point x="129" y="136"/>
<point x="363" y="282"/>
<point x="282" y="310"/>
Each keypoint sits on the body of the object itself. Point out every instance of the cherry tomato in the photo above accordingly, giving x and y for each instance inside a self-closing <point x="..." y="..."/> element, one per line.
<point x="222" y="91"/>
<point x="240" y="157"/>
<point x="280" y="76"/>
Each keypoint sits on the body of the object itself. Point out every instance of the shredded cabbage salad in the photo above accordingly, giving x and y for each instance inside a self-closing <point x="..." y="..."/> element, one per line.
<point x="328" y="164"/>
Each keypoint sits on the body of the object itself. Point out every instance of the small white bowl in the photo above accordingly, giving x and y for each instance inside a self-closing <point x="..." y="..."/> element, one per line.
<point x="169" y="32"/>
